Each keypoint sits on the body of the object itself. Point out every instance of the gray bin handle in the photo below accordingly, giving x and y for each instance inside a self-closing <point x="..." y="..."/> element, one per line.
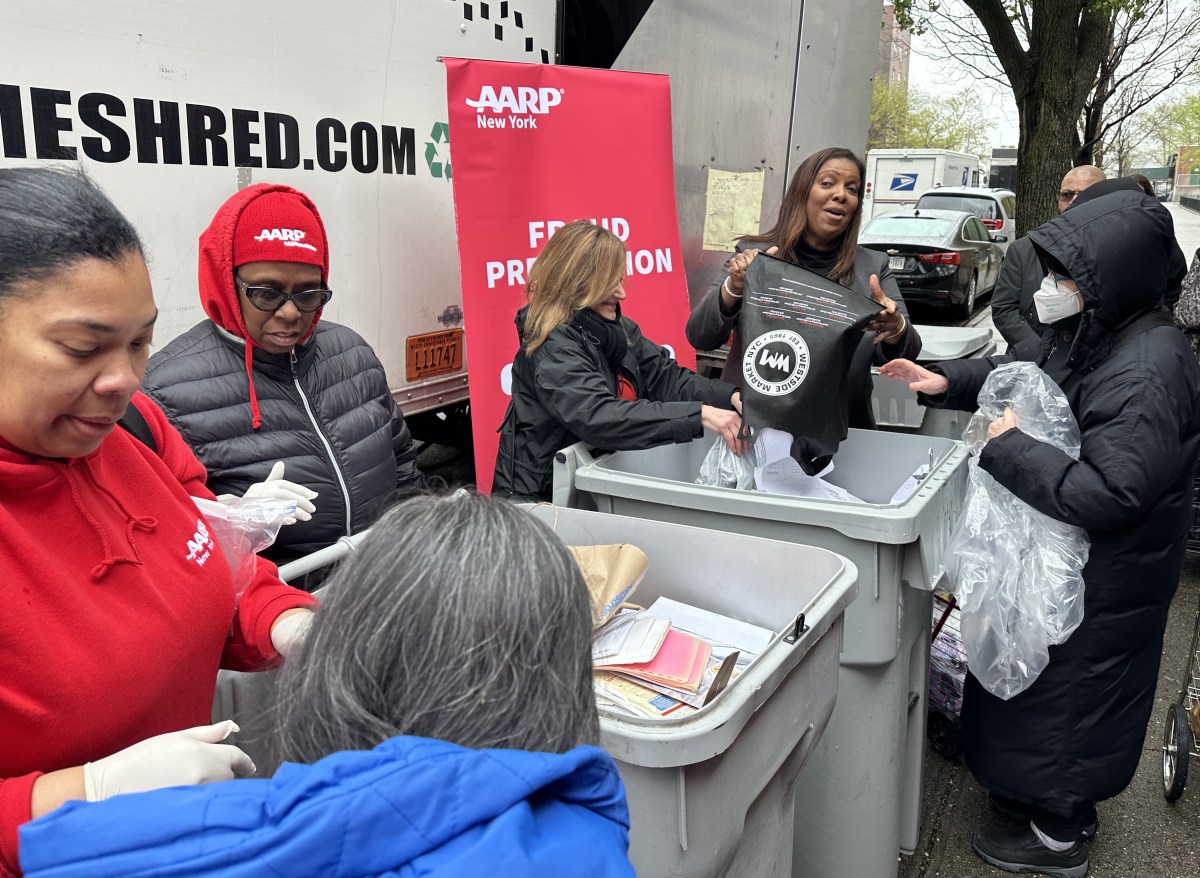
<point x="336" y="552"/>
<point x="566" y="463"/>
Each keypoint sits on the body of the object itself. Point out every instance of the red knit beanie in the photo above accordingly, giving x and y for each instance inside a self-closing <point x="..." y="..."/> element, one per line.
<point x="278" y="227"/>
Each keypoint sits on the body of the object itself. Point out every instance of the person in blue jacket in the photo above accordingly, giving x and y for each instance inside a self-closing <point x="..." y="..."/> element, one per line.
<point x="438" y="721"/>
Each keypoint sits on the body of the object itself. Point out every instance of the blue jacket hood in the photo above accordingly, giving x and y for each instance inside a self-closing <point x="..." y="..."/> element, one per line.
<point x="433" y="807"/>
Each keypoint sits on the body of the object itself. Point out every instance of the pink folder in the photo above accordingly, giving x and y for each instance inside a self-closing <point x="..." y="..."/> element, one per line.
<point x="679" y="663"/>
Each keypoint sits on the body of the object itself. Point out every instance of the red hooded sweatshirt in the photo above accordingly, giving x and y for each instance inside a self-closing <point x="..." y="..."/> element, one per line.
<point x="118" y="608"/>
<point x="219" y="295"/>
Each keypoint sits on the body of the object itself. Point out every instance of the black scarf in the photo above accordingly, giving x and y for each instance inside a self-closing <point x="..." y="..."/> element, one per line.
<point x="820" y="261"/>
<point x="609" y="334"/>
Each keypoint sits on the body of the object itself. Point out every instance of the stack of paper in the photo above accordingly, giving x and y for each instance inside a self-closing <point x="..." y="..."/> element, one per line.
<point x="629" y="638"/>
<point x="628" y="696"/>
<point x="671" y="659"/>
<point x="679" y="663"/>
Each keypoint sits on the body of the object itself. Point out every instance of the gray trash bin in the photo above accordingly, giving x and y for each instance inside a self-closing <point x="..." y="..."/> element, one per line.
<point x="895" y="407"/>
<point x="710" y="793"/>
<point x="858" y="797"/>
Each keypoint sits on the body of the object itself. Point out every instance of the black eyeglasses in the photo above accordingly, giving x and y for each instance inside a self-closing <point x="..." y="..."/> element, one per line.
<point x="271" y="299"/>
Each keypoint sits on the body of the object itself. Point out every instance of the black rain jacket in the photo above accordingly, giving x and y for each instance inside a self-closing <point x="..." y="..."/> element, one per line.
<point x="566" y="392"/>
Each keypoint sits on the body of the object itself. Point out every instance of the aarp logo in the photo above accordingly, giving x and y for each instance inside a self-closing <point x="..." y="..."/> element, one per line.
<point x="519" y="100"/>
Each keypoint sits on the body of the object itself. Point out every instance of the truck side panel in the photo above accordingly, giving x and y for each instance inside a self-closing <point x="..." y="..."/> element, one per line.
<point x="753" y="93"/>
<point x="172" y="106"/>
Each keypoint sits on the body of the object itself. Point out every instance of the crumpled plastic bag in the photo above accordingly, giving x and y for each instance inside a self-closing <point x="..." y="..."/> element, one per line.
<point x="243" y="527"/>
<point x="722" y="468"/>
<point x="1017" y="573"/>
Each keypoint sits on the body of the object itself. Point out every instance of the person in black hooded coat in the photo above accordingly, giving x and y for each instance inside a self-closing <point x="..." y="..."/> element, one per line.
<point x="1074" y="737"/>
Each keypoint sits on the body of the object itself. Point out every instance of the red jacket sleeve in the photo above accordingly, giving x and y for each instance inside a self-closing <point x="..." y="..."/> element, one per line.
<point x="16" y="795"/>
<point x="267" y="596"/>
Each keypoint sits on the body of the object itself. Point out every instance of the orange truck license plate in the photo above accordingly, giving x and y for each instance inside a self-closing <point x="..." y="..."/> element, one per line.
<point x="434" y="353"/>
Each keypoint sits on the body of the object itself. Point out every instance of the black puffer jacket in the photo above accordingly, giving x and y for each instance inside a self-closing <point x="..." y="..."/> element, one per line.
<point x="566" y="392"/>
<point x="329" y="416"/>
<point x="1075" y="735"/>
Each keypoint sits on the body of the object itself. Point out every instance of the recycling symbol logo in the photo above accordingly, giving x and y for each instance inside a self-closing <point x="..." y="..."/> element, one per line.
<point x="440" y="135"/>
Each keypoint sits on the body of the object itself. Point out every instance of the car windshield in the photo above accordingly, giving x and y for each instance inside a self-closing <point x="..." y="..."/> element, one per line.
<point x="984" y="208"/>
<point x="909" y="227"/>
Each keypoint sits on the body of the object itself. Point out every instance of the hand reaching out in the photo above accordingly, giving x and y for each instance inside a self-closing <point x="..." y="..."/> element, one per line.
<point x="726" y="423"/>
<point x="918" y="378"/>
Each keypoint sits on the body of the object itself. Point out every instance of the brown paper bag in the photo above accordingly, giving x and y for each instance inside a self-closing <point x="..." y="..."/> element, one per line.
<point x="611" y="572"/>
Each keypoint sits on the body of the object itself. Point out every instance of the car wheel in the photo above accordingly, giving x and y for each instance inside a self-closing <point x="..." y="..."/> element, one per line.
<point x="967" y="308"/>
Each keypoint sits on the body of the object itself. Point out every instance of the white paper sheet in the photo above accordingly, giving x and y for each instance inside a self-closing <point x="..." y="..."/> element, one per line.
<point x="632" y="643"/>
<point x="779" y="473"/>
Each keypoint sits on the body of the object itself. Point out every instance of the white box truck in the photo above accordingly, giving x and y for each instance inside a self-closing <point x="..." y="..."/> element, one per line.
<point x="895" y="177"/>
<point x="173" y="105"/>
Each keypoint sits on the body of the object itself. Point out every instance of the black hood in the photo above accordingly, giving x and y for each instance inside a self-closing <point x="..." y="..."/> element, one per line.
<point x="1118" y="248"/>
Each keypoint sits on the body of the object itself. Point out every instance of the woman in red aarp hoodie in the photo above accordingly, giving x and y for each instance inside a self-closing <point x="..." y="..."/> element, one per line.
<point x="118" y="606"/>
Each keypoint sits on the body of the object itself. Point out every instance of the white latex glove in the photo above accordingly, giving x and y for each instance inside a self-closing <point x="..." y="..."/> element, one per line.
<point x="289" y="633"/>
<point x="276" y="487"/>
<point x="192" y="756"/>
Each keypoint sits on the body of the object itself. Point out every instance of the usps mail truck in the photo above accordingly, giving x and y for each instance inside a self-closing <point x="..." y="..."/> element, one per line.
<point x="895" y="177"/>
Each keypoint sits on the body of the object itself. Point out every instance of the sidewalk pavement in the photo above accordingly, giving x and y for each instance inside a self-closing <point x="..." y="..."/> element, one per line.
<point x="1187" y="229"/>
<point x="1141" y="834"/>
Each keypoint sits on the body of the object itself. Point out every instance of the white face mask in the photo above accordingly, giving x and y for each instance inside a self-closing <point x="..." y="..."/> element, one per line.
<point x="1055" y="302"/>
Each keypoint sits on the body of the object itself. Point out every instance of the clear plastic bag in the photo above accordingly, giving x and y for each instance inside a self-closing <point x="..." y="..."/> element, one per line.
<point x="722" y="468"/>
<point x="243" y="527"/>
<point x="1017" y="573"/>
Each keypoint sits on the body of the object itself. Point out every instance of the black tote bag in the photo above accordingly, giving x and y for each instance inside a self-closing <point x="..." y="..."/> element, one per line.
<point x="799" y="331"/>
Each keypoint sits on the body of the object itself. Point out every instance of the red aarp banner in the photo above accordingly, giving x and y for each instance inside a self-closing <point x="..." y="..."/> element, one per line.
<point x="534" y="147"/>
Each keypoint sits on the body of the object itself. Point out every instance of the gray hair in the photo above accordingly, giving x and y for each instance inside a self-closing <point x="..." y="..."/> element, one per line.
<point x="459" y="618"/>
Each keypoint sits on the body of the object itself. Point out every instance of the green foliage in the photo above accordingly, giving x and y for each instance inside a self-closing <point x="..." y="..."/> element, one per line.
<point x="1164" y="127"/>
<point x="907" y="117"/>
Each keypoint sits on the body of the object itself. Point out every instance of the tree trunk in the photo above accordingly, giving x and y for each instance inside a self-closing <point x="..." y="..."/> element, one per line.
<point x="1050" y="81"/>
<point x="1043" y="157"/>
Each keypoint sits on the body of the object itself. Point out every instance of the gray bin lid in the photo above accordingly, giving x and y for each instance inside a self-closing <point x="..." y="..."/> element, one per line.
<point x="951" y="342"/>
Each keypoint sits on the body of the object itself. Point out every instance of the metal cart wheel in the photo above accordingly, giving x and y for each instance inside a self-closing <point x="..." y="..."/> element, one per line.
<point x="1177" y="746"/>
<point x="945" y="734"/>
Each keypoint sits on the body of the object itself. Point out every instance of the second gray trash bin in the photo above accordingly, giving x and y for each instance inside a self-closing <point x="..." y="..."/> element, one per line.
<point x="858" y="797"/>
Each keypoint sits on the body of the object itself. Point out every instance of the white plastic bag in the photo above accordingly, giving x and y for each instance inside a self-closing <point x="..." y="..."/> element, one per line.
<point x="722" y="468"/>
<point x="1017" y="574"/>
<point x="243" y="527"/>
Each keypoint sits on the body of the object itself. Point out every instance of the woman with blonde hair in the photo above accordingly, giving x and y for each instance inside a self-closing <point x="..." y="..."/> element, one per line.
<point x="586" y="373"/>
